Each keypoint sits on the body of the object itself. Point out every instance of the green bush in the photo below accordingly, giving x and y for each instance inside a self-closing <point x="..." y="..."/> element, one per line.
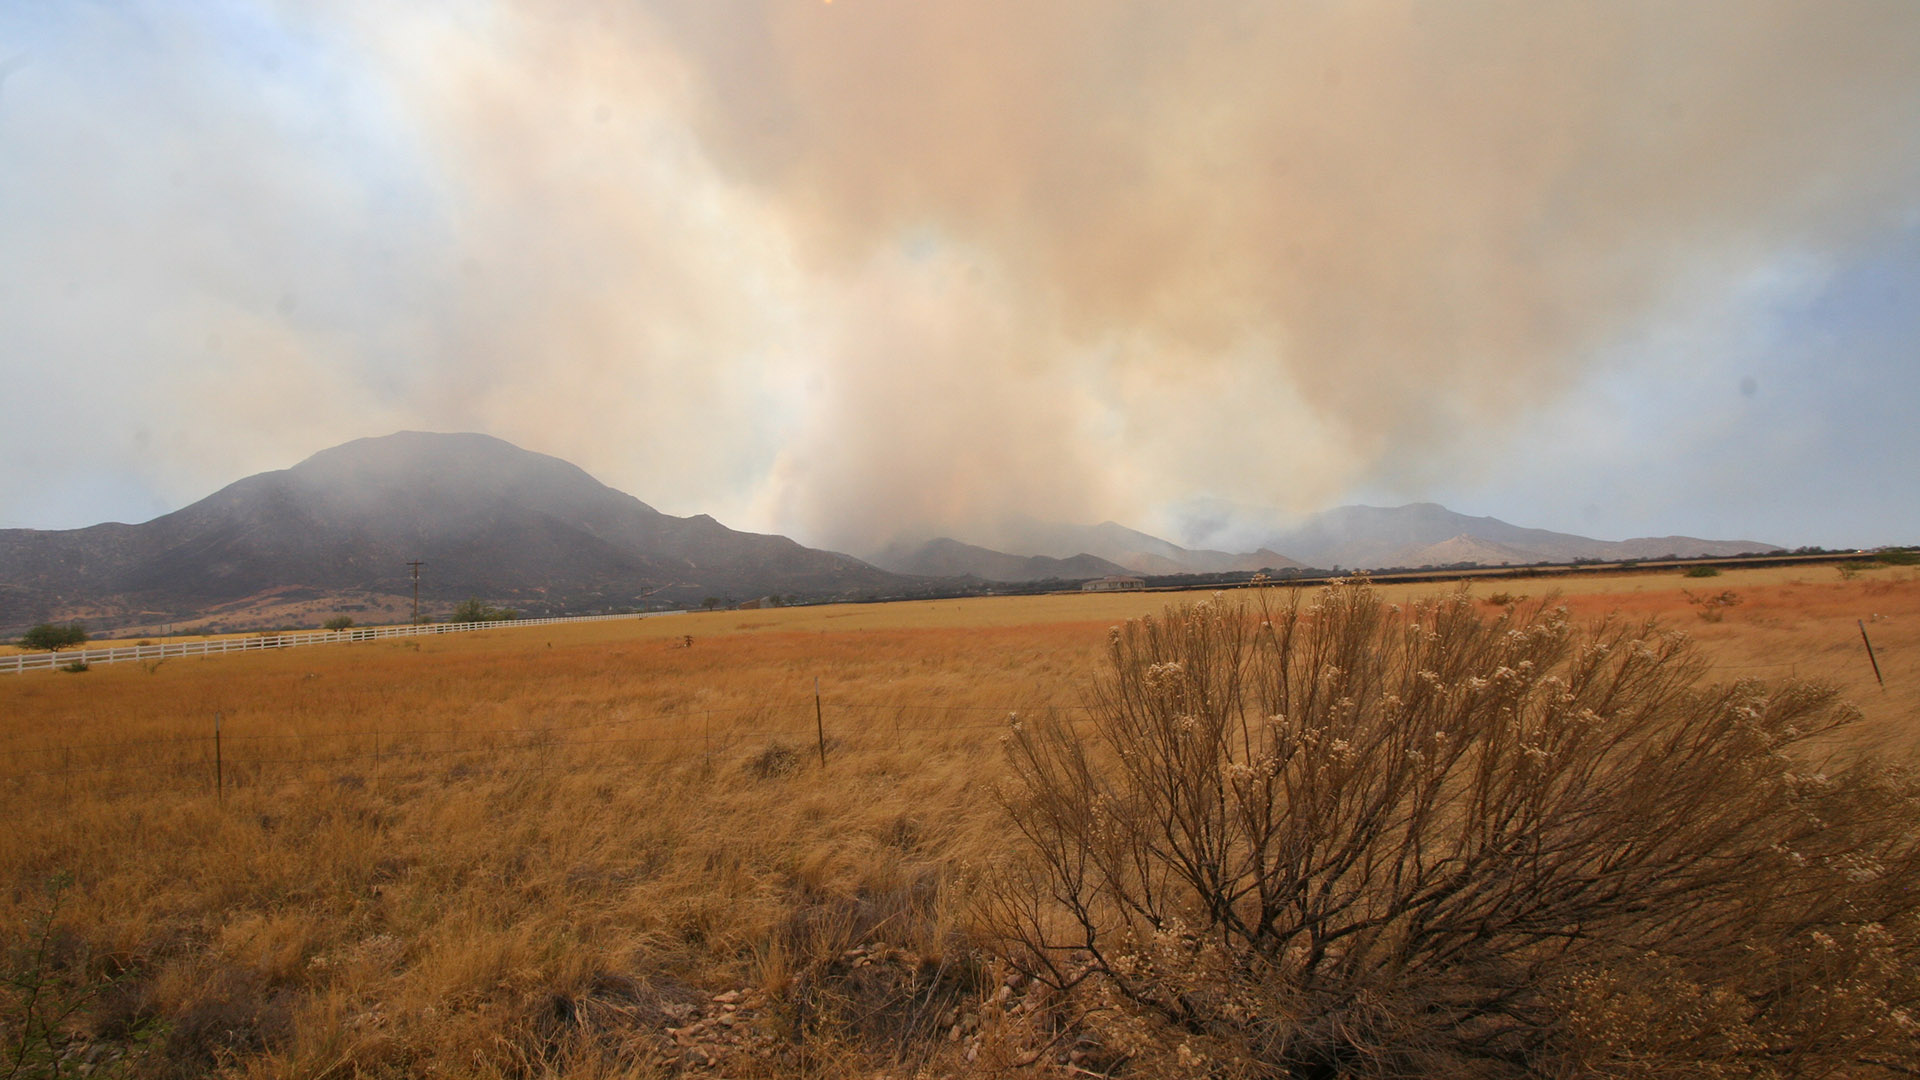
<point x="473" y="610"/>
<point x="1899" y="557"/>
<point x="1338" y="839"/>
<point x="338" y="622"/>
<point x="52" y="637"/>
<point x="1703" y="571"/>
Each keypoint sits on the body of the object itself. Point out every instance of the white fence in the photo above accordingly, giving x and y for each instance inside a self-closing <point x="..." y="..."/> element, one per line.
<point x="166" y="650"/>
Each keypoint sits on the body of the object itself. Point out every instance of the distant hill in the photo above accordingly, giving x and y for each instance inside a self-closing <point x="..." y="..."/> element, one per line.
<point x="525" y="530"/>
<point x="489" y="520"/>
<point x="1347" y="537"/>
<point x="1137" y="552"/>
<point x="948" y="558"/>
<point x="1427" y="534"/>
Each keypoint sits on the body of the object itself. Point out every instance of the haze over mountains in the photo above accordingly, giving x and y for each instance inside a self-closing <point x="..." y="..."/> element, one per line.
<point x="1346" y="537"/>
<point x="515" y="528"/>
<point x="1426" y="534"/>
<point x="489" y="519"/>
<point x="1035" y="545"/>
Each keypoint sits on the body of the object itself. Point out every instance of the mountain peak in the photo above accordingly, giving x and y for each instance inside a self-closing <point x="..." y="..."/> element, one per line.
<point x="491" y="519"/>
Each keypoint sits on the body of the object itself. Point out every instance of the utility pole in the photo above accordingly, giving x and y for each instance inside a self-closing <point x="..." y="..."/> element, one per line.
<point x="416" y="565"/>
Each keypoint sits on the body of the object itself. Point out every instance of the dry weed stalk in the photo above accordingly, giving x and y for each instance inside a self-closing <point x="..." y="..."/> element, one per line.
<point x="1337" y="838"/>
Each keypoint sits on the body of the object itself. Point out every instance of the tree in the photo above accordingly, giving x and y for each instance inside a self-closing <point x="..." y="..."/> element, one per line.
<point x="52" y="637"/>
<point x="472" y="610"/>
<point x="1342" y="839"/>
<point x="338" y="622"/>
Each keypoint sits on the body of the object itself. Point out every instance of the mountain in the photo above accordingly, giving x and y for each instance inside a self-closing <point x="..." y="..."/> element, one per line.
<point x="487" y="518"/>
<point x="1351" y="537"/>
<point x="1132" y="549"/>
<point x="948" y="558"/>
<point x="1427" y="534"/>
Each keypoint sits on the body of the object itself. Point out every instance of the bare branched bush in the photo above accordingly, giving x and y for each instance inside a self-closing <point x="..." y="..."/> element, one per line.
<point x="1332" y="838"/>
<point x="1712" y="607"/>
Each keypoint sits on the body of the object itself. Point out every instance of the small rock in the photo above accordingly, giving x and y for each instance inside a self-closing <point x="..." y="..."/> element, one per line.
<point x="953" y="1034"/>
<point x="727" y="998"/>
<point x="696" y="1057"/>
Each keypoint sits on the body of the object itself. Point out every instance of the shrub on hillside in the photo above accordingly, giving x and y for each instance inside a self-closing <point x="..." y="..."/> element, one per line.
<point x="1702" y="571"/>
<point x="473" y="610"/>
<point x="52" y="637"/>
<point x="338" y="623"/>
<point x="1336" y="838"/>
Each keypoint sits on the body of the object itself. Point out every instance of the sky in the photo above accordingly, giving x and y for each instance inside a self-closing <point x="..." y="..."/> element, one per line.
<point x="870" y="269"/>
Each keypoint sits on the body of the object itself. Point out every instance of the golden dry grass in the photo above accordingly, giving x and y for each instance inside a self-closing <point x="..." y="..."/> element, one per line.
<point x="425" y="844"/>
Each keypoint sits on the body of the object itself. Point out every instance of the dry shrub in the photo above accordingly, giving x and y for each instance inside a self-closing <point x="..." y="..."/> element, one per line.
<point x="876" y="970"/>
<point x="1713" y="607"/>
<point x="1335" y="838"/>
<point x="777" y="760"/>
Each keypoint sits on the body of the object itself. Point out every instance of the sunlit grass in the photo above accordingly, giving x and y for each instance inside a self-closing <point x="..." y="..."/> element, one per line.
<point x="420" y="843"/>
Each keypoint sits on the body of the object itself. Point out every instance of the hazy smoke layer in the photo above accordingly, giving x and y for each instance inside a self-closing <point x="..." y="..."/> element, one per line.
<point x="1282" y="246"/>
<point x="867" y="267"/>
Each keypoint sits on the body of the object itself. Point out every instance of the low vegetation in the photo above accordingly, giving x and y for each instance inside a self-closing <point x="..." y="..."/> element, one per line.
<point x="52" y="637"/>
<point x="1342" y="839"/>
<point x="473" y="610"/>
<point x="1712" y="607"/>
<point x="612" y="849"/>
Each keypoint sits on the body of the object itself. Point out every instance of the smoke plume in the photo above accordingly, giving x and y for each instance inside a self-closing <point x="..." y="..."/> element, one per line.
<point x="864" y="268"/>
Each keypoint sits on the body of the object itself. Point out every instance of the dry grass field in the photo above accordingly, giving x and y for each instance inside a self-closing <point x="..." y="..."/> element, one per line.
<point x="597" y="850"/>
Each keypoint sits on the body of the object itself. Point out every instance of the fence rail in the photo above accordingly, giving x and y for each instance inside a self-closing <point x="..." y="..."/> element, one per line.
<point x="167" y="650"/>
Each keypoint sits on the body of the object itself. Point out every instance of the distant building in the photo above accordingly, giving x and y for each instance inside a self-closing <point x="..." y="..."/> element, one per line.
<point x="1114" y="583"/>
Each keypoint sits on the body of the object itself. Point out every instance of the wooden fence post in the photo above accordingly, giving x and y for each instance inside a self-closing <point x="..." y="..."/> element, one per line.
<point x="819" y="725"/>
<point x="1876" y="664"/>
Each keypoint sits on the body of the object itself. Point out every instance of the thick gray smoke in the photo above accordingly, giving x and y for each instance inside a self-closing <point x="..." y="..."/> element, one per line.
<point x="863" y="268"/>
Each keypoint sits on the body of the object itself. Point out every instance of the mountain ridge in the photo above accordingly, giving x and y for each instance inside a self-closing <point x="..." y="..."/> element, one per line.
<point x="1374" y="537"/>
<point x="944" y="557"/>
<point x="517" y="528"/>
<point x="488" y="519"/>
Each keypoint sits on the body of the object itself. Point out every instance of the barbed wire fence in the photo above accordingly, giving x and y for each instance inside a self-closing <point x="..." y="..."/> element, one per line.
<point x="226" y="755"/>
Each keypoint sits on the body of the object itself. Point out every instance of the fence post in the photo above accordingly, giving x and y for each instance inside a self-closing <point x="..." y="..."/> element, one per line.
<point x="819" y="725"/>
<point x="1876" y="664"/>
